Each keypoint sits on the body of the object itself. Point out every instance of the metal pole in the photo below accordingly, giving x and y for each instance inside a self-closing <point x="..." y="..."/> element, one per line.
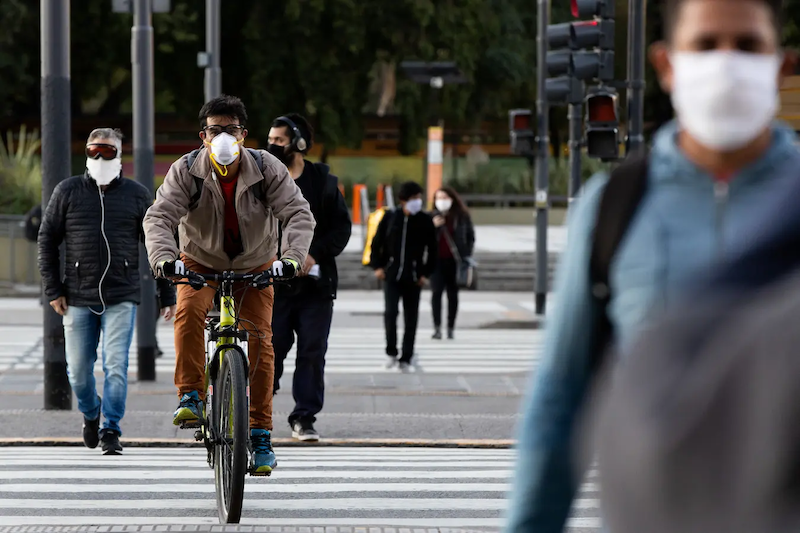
<point x="213" y="74"/>
<point x="636" y="56"/>
<point x="143" y="149"/>
<point x="56" y="136"/>
<point x="575" y="137"/>
<point x="542" y="154"/>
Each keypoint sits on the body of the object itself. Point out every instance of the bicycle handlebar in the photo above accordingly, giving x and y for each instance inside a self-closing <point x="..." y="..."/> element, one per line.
<point x="259" y="280"/>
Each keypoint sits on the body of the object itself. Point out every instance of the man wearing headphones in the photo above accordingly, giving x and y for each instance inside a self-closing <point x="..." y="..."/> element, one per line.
<point x="305" y="307"/>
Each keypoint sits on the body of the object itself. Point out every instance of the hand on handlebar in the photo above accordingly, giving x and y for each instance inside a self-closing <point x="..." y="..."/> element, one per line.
<point x="171" y="269"/>
<point x="284" y="269"/>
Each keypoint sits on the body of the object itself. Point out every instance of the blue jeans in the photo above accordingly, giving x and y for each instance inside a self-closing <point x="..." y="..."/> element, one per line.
<point x="82" y="335"/>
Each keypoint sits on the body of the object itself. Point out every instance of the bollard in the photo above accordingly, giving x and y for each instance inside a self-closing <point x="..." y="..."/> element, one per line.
<point x="357" y="215"/>
<point x="380" y="196"/>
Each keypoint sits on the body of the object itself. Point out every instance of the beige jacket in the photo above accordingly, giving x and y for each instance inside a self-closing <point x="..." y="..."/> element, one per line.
<point x="201" y="230"/>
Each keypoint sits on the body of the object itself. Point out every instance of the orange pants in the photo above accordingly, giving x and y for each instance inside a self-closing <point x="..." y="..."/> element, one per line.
<point x="256" y="306"/>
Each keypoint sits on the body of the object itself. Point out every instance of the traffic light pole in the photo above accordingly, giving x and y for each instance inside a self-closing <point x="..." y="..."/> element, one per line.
<point x="636" y="66"/>
<point x="56" y="119"/>
<point x="143" y="155"/>
<point x="542" y="153"/>
<point x="213" y="74"/>
<point x="574" y="112"/>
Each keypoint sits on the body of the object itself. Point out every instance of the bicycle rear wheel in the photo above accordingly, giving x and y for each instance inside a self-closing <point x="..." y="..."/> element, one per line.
<point x="233" y="424"/>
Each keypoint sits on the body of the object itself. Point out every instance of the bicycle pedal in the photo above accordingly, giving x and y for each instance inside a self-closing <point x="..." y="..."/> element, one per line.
<point x="190" y="424"/>
<point x="261" y="474"/>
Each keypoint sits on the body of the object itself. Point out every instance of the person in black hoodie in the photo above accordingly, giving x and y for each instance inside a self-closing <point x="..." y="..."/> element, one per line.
<point x="404" y="253"/>
<point x="98" y="217"/>
<point x="305" y="306"/>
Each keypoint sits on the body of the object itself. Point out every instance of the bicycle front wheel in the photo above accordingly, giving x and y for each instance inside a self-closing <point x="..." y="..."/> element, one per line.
<point x="233" y="424"/>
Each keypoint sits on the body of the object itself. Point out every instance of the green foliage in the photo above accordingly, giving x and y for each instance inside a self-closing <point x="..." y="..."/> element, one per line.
<point x="514" y="176"/>
<point x="20" y="172"/>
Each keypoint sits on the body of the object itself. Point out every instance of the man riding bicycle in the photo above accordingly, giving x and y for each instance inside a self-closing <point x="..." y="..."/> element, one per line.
<point x="227" y="202"/>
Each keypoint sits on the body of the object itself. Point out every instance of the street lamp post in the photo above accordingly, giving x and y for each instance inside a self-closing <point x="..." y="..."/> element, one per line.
<point x="143" y="154"/>
<point x="56" y="135"/>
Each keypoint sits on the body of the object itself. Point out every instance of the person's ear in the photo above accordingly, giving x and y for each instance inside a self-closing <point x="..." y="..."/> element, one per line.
<point x="659" y="58"/>
<point x="244" y="133"/>
<point x="202" y="135"/>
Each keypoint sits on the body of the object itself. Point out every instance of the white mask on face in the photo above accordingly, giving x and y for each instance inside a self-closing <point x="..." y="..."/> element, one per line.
<point x="414" y="206"/>
<point x="224" y="149"/>
<point x="724" y="99"/>
<point x="444" y="205"/>
<point x="104" y="172"/>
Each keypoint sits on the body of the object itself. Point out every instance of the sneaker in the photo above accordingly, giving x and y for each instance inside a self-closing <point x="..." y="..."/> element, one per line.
<point x="91" y="430"/>
<point x="407" y="368"/>
<point x="437" y="334"/>
<point x="190" y="410"/>
<point x="450" y="333"/>
<point x="111" y="445"/>
<point x="391" y="362"/>
<point x="303" y="430"/>
<point x="263" y="459"/>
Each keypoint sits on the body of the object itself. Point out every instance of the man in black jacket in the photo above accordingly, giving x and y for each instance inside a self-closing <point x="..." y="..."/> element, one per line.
<point x="98" y="216"/>
<point x="305" y="306"/>
<point x="404" y="256"/>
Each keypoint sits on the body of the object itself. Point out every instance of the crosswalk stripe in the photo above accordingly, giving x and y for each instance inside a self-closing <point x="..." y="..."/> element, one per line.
<point x="355" y="351"/>
<point x="399" y="487"/>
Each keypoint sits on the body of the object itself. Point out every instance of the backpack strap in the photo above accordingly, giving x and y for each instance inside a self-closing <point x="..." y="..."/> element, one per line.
<point x="198" y="182"/>
<point x="330" y="188"/>
<point x="619" y="203"/>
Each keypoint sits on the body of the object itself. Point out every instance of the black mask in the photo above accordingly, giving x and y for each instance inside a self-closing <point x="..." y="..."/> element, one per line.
<point x="281" y="153"/>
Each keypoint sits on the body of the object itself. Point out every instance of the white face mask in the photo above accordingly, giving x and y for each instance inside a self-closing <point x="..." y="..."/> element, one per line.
<point x="414" y="206"/>
<point x="444" y="205"/>
<point x="224" y="149"/>
<point x="725" y="99"/>
<point x="104" y="172"/>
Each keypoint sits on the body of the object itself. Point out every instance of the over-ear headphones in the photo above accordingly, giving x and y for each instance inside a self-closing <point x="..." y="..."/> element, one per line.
<point x="298" y="143"/>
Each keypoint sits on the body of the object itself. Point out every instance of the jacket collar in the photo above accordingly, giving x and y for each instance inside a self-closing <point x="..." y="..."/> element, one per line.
<point x="249" y="173"/>
<point x="113" y="185"/>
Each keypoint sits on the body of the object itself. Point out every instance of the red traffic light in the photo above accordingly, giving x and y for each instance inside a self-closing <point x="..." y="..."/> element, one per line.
<point x="520" y="119"/>
<point x="601" y="108"/>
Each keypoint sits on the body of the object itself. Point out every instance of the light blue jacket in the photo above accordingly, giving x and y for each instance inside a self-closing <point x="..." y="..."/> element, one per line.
<point x="685" y="224"/>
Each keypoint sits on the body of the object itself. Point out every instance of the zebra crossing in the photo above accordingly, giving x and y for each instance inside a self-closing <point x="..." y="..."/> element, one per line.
<point x="351" y="351"/>
<point x="312" y="487"/>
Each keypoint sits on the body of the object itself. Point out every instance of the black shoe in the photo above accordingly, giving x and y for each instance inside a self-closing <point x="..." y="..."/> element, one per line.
<point x="111" y="445"/>
<point x="303" y="430"/>
<point x="159" y="352"/>
<point x="450" y="334"/>
<point x="437" y="334"/>
<point x="91" y="432"/>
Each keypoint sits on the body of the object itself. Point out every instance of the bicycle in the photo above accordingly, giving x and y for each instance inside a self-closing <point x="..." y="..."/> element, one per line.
<point x="224" y="426"/>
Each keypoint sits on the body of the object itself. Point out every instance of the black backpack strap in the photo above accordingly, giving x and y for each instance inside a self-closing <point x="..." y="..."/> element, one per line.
<point x="619" y="202"/>
<point x="330" y="188"/>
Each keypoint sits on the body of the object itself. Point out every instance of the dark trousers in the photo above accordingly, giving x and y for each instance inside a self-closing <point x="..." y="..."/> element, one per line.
<point x="309" y="317"/>
<point x="444" y="278"/>
<point x="409" y="292"/>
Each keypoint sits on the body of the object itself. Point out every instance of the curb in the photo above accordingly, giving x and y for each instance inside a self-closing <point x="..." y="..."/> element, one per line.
<point x="282" y="441"/>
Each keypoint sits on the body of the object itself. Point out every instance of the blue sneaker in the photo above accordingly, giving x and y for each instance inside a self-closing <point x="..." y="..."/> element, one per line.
<point x="264" y="460"/>
<point x="189" y="412"/>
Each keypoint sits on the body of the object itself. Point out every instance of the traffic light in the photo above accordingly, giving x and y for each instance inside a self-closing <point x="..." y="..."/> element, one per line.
<point x="520" y="129"/>
<point x="582" y="51"/>
<point x="602" y="124"/>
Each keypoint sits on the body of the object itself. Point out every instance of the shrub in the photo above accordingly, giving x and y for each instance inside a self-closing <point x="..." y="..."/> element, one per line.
<point x="20" y="172"/>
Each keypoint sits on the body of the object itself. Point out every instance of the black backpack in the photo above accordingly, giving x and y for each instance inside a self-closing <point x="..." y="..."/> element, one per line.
<point x="619" y="203"/>
<point x="198" y="182"/>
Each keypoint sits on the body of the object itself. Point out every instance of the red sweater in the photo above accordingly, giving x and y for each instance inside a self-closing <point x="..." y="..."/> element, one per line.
<point x="233" y="238"/>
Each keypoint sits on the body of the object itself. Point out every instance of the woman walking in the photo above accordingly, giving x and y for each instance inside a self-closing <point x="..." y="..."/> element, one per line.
<point x="456" y="238"/>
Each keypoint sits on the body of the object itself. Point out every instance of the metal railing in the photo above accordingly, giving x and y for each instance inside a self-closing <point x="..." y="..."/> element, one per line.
<point x="505" y="200"/>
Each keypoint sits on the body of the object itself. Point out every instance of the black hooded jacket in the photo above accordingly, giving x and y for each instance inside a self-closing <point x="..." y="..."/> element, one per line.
<point x="405" y="246"/>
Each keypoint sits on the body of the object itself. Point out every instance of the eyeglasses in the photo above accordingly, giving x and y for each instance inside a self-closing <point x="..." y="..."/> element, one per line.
<point x="230" y="129"/>
<point x="105" y="151"/>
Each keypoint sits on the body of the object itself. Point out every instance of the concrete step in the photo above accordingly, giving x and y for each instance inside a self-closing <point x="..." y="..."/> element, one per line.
<point x="496" y="272"/>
